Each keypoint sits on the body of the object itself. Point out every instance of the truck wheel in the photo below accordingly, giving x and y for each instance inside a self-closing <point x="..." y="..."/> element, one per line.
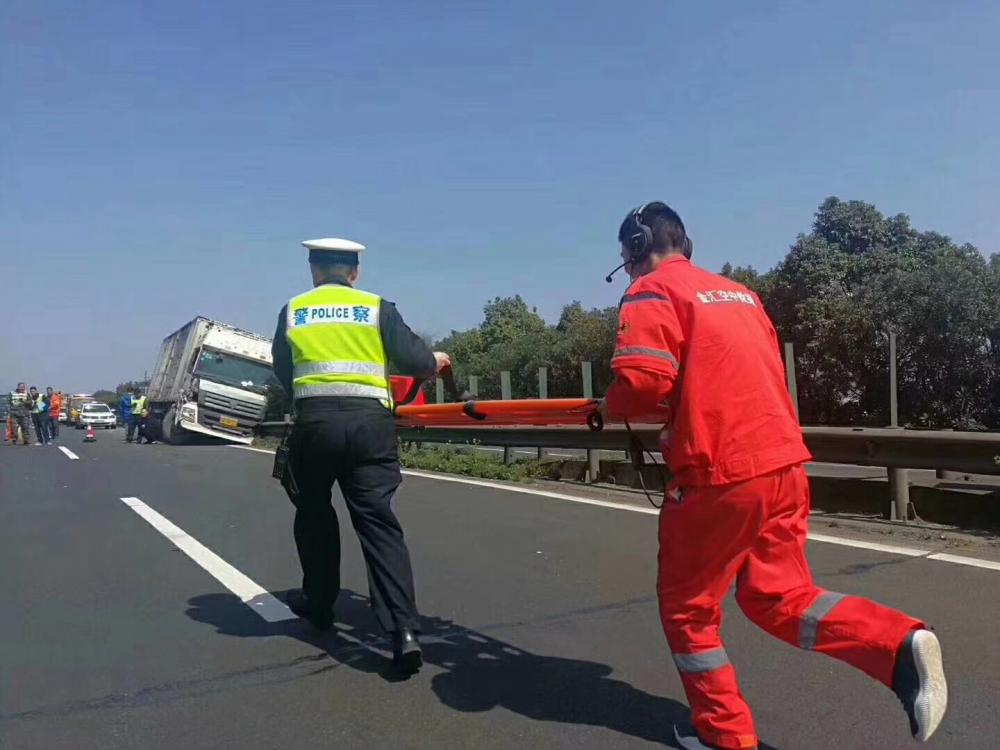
<point x="173" y="434"/>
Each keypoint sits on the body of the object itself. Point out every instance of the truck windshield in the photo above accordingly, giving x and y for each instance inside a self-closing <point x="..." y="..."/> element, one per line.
<point x="235" y="371"/>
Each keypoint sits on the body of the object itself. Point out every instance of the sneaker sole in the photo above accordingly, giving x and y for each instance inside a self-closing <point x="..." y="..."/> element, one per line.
<point x="932" y="700"/>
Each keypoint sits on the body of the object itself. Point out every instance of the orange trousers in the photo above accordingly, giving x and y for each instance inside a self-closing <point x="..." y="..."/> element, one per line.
<point x="755" y="532"/>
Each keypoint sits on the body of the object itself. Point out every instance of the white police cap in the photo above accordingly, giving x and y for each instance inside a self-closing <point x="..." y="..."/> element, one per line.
<point x="334" y="244"/>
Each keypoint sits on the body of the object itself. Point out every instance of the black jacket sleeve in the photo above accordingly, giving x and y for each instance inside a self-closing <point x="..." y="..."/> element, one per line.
<point x="281" y="353"/>
<point x="406" y="350"/>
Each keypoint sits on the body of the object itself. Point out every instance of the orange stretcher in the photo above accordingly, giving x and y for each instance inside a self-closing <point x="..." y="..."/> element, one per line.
<point x="526" y="412"/>
<point x="412" y="411"/>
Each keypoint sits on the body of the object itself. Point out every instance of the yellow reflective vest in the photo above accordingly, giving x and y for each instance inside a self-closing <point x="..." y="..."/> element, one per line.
<point x="336" y="344"/>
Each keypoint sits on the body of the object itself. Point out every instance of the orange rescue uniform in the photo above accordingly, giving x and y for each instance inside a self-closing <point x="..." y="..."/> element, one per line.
<point x="700" y="348"/>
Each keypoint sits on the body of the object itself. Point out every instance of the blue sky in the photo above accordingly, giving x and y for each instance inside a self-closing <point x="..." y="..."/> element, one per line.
<point x="164" y="159"/>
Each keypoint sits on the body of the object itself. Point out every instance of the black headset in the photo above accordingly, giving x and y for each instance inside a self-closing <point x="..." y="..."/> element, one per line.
<point x="638" y="238"/>
<point x="640" y="241"/>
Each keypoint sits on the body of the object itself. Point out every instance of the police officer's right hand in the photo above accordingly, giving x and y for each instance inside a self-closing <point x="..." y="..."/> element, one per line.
<point x="442" y="361"/>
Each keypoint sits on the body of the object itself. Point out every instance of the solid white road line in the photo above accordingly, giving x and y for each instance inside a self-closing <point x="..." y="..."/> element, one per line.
<point x="531" y="491"/>
<point x="69" y="454"/>
<point x="249" y="592"/>
<point x="974" y="562"/>
<point x="892" y="549"/>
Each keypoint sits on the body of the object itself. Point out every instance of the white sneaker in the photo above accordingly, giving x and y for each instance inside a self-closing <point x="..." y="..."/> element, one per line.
<point x="920" y="684"/>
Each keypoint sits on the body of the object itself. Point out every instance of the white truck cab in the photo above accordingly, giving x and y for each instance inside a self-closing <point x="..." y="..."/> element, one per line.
<point x="211" y="378"/>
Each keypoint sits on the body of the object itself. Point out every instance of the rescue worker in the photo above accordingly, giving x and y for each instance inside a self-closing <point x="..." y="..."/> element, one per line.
<point x="331" y="352"/>
<point x="55" y="407"/>
<point x="20" y="411"/>
<point x="701" y="347"/>
<point x="138" y="410"/>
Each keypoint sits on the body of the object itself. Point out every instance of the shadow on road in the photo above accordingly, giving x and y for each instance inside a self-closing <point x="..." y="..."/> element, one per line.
<point x="476" y="672"/>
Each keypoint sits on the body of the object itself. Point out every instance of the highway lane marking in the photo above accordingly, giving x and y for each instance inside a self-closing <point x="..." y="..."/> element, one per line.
<point x="249" y="592"/>
<point x="532" y="491"/>
<point x="69" y="454"/>
<point x="892" y="549"/>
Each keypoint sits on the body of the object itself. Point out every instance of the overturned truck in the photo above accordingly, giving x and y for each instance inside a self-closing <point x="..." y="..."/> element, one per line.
<point x="211" y="378"/>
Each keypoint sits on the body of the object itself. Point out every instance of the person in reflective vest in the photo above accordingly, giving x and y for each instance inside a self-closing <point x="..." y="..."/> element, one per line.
<point x="700" y="348"/>
<point x="19" y="405"/>
<point x="331" y="352"/>
<point x="138" y="408"/>
<point x="39" y="415"/>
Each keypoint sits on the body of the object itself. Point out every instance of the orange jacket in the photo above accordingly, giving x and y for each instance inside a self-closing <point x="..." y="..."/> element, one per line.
<point x="701" y="347"/>
<point x="55" y="405"/>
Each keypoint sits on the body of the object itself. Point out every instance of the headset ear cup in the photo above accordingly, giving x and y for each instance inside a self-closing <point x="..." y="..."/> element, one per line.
<point x="688" y="247"/>
<point x="647" y="240"/>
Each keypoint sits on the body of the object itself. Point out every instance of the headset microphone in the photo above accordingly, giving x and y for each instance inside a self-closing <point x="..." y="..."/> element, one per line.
<point x="608" y="277"/>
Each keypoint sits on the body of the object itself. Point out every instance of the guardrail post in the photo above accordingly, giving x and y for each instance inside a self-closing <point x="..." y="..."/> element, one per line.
<point x="793" y="387"/>
<point x="893" y="393"/>
<point x="474" y="386"/>
<point x="439" y="391"/>
<point x="543" y="392"/>
<point x="899" y="480"/>
<point x="593" y="457"/>
<point x="508" y="451"/>
<point x="899" y="487"/>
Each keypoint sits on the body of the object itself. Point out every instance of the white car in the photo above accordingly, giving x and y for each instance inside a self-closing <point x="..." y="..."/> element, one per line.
<point x="96" y="415"/>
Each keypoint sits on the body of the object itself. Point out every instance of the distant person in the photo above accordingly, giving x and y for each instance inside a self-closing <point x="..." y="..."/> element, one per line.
<point x="125" y="409"/>
<point x="39" y="415"/>
<point x="149" y="428"/>
<point x="55" y="406"/>
<point x="138" y="410"/>
<point x="20" y="411"/>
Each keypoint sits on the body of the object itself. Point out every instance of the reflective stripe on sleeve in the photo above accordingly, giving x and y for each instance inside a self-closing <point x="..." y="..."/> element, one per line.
<point x="644" y="351"/>
<point x="813" y="616"/>
<point x="706" y="661"/>
<point x="644" y="297"/>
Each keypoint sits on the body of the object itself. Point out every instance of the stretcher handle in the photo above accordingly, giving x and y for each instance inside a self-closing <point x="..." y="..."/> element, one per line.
<point x="447" y="376"/>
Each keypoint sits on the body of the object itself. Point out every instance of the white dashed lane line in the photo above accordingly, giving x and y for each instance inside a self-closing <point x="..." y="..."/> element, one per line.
<point x="249" y="592"/>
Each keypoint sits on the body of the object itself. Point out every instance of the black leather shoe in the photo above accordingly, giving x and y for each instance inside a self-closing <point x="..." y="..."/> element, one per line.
<point x="406" y="653"/>
<point x="321" y="617"/>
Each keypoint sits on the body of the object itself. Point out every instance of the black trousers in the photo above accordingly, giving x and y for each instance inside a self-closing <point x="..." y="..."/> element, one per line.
<point x="351" y="442"/>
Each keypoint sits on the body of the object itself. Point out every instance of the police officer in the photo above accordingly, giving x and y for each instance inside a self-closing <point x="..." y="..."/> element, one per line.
<point x="332" y="350"/>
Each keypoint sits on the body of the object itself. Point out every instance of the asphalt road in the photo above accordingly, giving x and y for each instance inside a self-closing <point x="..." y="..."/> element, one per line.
<point x="541" y="624"/>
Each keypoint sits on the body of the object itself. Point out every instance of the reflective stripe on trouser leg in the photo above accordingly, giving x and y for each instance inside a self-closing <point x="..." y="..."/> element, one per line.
<point x="813" y="616"/>
<point x="706" y="661"/>
<point x="710" y="686"/>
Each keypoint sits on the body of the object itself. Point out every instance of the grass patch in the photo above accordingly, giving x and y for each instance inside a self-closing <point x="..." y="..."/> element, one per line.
<point x="450" y="461"/>
<point x="454" y="461"/>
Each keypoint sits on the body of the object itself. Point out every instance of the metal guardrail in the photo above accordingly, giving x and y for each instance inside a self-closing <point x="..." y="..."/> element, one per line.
<point x="970" y="452"/>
